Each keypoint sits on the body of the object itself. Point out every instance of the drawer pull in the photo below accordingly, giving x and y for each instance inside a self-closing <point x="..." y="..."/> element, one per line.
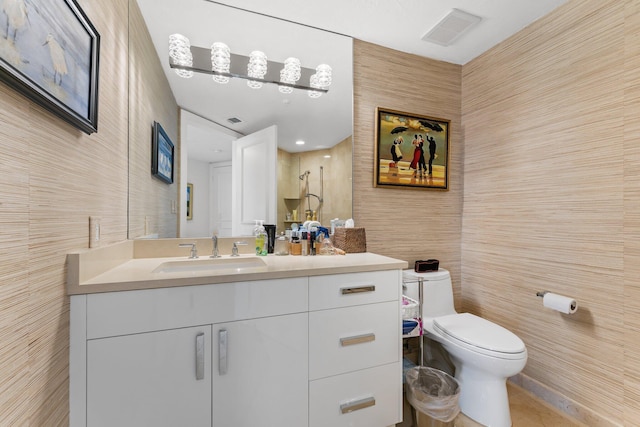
<point x="222" y="351"/>
<point x="357" y="289"/>
<point x="367" y="402"/>
<point x="358" y="339"/>
<point x="200" y="356"/>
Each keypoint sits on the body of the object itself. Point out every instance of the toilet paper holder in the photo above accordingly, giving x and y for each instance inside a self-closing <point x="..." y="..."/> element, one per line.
<point x="560" y="303"/>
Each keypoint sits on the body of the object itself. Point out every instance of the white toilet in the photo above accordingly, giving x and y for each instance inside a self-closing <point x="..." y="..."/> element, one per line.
<point x="484" y="354"/>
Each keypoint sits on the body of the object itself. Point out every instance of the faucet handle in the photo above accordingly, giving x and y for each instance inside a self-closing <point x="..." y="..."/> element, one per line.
<point x="215" y="253"/>
<point x="194" y="250"/>
<point x="234" y="250"/>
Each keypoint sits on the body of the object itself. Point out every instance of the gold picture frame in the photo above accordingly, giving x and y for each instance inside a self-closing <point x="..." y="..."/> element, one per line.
<point x="411" y="151"/>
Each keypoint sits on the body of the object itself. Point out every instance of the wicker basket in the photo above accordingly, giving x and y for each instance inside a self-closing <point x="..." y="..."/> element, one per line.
<point x="350" y="240"/>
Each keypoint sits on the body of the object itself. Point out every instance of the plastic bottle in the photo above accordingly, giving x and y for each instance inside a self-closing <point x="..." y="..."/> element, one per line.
<point x="282" y="245"/>
<point x="261" y="238"/>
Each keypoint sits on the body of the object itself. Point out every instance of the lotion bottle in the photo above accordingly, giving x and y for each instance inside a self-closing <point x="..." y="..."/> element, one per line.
<point x="261" y="238"/>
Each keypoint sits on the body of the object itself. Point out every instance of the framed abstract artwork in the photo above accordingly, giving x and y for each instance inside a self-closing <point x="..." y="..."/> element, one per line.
<point x="411" y="151"/>
<point x="49" y="52"/>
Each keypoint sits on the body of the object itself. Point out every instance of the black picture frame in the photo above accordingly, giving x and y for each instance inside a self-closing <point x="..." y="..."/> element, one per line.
<point x="162" y="153"/>
<point x="49" y="52"/>
<point x="411" y="151"/>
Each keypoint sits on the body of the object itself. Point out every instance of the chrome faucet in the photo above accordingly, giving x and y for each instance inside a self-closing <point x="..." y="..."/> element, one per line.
<point x="194" y="250"/>
<point x="214" y="254"/>
<point x="234" y="250"/>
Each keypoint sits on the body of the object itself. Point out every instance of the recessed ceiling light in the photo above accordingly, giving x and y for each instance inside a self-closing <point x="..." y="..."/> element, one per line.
<point x="327" y="156"/>
<point x="299" y="142"/>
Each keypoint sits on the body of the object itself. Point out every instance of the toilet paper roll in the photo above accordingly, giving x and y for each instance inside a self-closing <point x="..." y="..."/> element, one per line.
<point x="560" y="303"/>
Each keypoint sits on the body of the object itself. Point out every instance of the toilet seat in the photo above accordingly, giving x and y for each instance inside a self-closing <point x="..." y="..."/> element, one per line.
<point x="480" y="335"/>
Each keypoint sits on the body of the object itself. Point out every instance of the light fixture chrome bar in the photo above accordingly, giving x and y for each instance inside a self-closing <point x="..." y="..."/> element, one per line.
<point x="202" y="65"/>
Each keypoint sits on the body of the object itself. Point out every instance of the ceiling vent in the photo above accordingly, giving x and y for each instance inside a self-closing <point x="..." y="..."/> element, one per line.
<point x="451" y="27"/>
<point x="234" y="120"/>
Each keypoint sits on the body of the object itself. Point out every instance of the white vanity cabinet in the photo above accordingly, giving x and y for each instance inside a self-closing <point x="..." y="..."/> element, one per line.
<point x="150" y="379"/>
<point x="355" y="359"/>
<point x="260" y="372"/>
<point x="312" y="351"/>
<point x="152" y="358"/>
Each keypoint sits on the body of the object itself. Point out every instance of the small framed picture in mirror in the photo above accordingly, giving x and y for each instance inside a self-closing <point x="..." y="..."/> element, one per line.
<point x="189" y="201"/>
<point x="162" y="151"/>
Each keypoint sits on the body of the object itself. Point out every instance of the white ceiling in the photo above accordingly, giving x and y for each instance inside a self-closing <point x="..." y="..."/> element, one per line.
<point x="400" y="24"/>
<point x="323" y="122"/>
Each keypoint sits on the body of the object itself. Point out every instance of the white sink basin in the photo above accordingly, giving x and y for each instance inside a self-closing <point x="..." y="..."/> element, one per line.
<point x="213" y="265"/>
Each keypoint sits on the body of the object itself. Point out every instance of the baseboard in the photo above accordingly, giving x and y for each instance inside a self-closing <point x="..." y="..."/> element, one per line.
<point x="563" y="404"/>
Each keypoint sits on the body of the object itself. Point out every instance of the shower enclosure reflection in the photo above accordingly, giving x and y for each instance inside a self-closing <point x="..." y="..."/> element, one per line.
<point x="317" y="181"/>
<point x="313" y="181"/>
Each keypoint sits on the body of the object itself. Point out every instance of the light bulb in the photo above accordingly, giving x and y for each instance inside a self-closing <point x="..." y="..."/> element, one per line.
<point x="220" y="61"/>
<point x="180" y="53"/>
<point x="323" y="71"/>
<point x="257" y="68"/>
<point x="290" y="74"/>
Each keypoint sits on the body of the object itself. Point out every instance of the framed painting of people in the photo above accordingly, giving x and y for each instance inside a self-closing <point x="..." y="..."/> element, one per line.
<point x="49" y="52"/>
<point x="411" y="151"/>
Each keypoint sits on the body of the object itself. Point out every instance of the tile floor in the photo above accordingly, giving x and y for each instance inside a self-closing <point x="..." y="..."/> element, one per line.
<point x="526" y="411"/>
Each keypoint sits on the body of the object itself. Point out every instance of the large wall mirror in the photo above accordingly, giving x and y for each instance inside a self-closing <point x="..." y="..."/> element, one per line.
<point x="210" y="119"/>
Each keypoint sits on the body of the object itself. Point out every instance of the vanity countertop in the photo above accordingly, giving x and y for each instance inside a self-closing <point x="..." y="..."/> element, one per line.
<point x="116" y="269"/>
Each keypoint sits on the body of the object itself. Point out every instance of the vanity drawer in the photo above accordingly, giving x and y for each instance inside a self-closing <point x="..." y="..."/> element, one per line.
<point x="366" y="398"/>
<point x="128" y="312"/>
<point x="342" y="290"/>
<point x="352" y="338"/>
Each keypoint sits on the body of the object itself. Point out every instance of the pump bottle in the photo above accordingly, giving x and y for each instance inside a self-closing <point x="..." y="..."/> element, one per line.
<point x="261" y="238"/>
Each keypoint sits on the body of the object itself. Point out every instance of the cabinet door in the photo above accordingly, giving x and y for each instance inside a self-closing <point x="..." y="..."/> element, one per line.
<point x="260" y="372"/>
<point x="151" y="379"/>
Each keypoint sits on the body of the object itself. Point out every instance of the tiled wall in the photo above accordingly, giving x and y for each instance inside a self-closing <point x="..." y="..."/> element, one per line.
<point x="551" y="202"/>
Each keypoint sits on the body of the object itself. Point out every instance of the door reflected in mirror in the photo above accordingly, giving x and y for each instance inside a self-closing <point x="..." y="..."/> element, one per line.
<point x="212" y="116"/>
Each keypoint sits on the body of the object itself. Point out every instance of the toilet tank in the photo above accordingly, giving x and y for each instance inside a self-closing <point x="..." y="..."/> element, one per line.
<point x="437" y="292"/>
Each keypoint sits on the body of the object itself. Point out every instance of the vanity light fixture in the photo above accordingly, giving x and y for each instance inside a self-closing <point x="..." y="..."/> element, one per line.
<point x="220" y="62"/>
<point x="289" y="74"/>
<point x="257" y="68"/>
<point x="180" y="53"/>
<point x="223" y="65"/>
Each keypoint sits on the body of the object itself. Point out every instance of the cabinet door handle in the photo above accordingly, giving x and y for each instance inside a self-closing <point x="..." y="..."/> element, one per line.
<point x="357" y="289"/>
<point x="200" y="356"/>
<point x="222" y="351"/>
<point x="367" y="402"/>
<point x="358" y="339"/>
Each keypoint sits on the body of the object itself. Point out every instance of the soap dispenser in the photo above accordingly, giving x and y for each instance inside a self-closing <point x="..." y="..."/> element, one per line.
<point x="261" y="238"/>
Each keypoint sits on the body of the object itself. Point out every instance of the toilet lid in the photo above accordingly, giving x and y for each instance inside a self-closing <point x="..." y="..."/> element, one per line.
<point x="479" y="333"/>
